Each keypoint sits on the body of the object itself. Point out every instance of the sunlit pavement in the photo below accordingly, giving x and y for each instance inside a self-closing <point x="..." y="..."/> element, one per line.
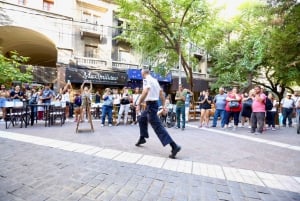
<point x="55" y="163"/>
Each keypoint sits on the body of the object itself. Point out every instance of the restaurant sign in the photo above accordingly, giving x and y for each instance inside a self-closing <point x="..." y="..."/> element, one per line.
<point x="76" y="75"/>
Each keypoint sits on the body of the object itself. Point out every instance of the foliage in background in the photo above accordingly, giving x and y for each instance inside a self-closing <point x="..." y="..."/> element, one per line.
<point x="260" y="46"/>
<point x="161" y="30"/>
<point x="10" y="69"/>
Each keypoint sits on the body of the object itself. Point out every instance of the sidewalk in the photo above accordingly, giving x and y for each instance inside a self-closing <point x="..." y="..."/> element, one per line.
<point x="214" y="164"/>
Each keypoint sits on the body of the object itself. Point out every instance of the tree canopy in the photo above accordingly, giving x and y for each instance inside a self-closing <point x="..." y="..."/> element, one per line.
<point x="10" y="69"/>
<point x="260" y="46"/>
<point x="160" y="30"/>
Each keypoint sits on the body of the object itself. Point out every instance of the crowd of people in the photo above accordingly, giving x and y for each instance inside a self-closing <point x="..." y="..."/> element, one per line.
<point x="256" y="107"/>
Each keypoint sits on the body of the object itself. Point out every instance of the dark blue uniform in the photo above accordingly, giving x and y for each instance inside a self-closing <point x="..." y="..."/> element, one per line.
<point x="150" y="114"/>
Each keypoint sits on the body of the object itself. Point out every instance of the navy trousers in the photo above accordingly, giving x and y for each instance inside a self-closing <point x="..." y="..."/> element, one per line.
<point x="150" y="114"/>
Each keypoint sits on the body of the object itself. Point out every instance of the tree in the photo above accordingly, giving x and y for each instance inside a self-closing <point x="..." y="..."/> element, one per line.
<point x="10" y="69"/>
<point x="161" y="29"/>
<point x="264" y="51"/>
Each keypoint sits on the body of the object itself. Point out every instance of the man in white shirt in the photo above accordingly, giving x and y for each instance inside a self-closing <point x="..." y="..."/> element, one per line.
<point x="151" y="93"/>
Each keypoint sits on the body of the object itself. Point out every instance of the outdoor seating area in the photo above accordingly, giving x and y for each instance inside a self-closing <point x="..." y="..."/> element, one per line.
<point x="21" y="114"/>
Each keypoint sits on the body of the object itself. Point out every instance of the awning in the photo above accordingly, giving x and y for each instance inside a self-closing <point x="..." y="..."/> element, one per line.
<point x="135" y="74"/>
<point x="76" y="75"/>
<point x="199" y="84"/>
<point x="160" y="78"/>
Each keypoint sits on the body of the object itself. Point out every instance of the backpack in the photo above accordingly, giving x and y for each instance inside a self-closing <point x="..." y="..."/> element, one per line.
<point x="269" y="104"/>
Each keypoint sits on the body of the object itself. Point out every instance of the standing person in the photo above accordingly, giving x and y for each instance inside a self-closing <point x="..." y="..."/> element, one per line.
<point x="258" y="111"/>
<point x="220" y="103"/>
<point x="124" y="106"/>
<point x="135" y="98"/>
<point x="180" y="106"/>
<point x="85" y="98"/>
<point x="17" y="94"/>
<point x="297" y="106"/>
<point x="3" y="97"/>
<point x="107" y="107"/>
<point x="97" y="97"/>
<point x="205" y="102"/>
<point x="287" y="106"/>
<point x="66" y="96"/>
<point x="151" y="93"/>
<point x="270" y="118"/>
<point x="77" y="106"/>
<point x="233" y="108"/>
<point x="247" y="101"/>
<point x="47" y="94"/>
<point x="189" y="95"/>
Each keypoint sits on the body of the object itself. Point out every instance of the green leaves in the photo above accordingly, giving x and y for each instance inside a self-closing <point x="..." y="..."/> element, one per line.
<point x="160" y="30"/>
<point x="10" y="69"/>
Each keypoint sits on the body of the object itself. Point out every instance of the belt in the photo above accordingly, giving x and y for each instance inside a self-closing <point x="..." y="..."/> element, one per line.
<point x="150" y="102"/>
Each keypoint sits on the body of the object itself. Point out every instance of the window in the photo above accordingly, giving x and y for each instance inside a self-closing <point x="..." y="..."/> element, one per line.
<point x="124" y="56"/>
<point x="90" y="51"/>
<point x="48" y="5"/>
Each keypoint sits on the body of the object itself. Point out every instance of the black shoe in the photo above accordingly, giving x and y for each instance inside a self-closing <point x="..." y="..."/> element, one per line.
<point x="141" y="141"/>
<point x="174" y="152"/>
<point x="182" y="128"/>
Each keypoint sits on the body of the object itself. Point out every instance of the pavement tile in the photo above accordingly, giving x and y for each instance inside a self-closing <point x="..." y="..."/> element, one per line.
<point x="80" y="171"/>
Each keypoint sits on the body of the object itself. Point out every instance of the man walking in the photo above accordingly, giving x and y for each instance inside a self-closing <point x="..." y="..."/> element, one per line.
<point x="151" y="93"/>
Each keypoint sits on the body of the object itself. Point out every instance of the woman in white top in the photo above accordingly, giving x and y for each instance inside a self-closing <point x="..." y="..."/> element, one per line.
<point x="124" y="106"/>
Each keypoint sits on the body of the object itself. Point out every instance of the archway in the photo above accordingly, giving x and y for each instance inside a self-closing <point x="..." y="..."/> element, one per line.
<point x="27" y="42"/>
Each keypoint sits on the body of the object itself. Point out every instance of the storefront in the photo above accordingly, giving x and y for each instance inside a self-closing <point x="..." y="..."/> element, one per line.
<point x="99" y="78"/>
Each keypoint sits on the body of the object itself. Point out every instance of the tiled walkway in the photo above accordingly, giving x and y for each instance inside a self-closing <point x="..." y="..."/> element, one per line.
<point x="274" y="181"/>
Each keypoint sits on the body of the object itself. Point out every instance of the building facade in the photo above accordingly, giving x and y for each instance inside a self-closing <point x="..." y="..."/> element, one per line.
<point x="70" y="40"/>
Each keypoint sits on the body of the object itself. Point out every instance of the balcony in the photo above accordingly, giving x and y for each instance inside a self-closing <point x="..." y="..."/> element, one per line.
<point x="175" y="72"/>
<point x="123" y="65"/>
<point x="104" y="64"/>
<point x="91" y="30"/>
<point x="91" y="62"/>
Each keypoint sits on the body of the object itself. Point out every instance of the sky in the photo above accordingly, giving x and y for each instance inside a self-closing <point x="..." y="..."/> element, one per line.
<point x="230" y="6"/>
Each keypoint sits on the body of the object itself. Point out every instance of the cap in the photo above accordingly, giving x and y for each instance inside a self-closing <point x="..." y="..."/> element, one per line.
<point x="288" y="94"/>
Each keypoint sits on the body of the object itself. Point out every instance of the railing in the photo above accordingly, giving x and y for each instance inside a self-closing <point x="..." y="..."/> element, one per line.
<point x="175" y="72"/>
<point x="101" y="63"/>
<point x="93" y="29"/>
<point x="123" y="65"/>
<point x="92" y="62"/>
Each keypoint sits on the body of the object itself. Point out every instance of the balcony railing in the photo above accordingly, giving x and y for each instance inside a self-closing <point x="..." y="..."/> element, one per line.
<point x="92" y="30"/>
<point x="101" y="63"/>
<point x="123" y="65"/>
<point x="91" y="62"/>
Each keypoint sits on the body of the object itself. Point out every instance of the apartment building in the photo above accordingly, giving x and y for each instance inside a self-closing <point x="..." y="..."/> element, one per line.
<point x="71" y="40"/>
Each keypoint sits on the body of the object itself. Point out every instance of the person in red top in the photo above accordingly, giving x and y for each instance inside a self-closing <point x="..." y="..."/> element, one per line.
<point x="258" y="111"/>
<point x="233" y="108"/>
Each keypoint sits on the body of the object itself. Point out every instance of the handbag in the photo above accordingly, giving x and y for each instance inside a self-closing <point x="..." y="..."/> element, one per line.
<point x="234" y="104"/>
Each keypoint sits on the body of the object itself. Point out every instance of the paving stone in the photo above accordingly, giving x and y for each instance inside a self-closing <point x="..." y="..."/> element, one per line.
<point x="55" y="175"/>
<point x="136" y="195"/>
